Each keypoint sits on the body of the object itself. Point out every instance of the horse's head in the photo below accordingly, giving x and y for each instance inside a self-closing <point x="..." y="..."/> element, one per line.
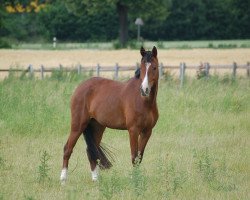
<point x="149" y="71"/>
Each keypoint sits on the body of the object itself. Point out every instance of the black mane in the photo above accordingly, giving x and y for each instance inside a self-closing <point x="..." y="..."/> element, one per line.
<point x="146" y="58"/>
<point x="137" y="73"/>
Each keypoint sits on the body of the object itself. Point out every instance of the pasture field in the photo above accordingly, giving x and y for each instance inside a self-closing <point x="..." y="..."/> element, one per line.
<point x="199" y="148"/>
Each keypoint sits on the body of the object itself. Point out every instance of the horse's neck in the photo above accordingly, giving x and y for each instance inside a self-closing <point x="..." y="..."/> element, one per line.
<point x="153" y="94"/>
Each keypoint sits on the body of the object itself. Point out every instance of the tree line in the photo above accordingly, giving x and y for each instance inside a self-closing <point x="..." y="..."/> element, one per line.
<point x="108" y="20"/>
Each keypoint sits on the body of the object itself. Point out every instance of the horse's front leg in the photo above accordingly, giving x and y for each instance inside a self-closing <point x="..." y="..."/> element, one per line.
<point x="143" y="140"/>
<point x="133" y="138"/>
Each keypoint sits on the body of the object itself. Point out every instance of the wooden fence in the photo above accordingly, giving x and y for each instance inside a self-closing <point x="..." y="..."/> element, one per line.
<point x="202" y="69"/>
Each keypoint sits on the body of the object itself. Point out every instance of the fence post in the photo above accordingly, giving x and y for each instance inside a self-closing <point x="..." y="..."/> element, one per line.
<point x="248" y="69"/>
<point x="31" y="71"/>
<point x="98" y="70"/>
<point x="182" y="73"/>
<point x="79" y="69"/>
<point x="161" y="71"/>
<point x="42" y="72"/>
<point x="234" y="70"/>
<point x="207" y="68"/>
<point x="116" y="71"/>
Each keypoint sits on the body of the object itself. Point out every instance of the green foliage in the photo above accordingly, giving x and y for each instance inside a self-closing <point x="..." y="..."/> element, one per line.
<point x="138" y="180"/>
<point x="163" y="20"/>
<point x="29" y="198"/>
<point x="4" y="44"/>
<point x="2" y="162"/>
<point x="69" y="76"/>
<point x="110" y="185"/>
<point x="43" y="168"/>
<point x="213" y="171"/>
<point x="74" y="26"/>
<point x="172" y="178"/>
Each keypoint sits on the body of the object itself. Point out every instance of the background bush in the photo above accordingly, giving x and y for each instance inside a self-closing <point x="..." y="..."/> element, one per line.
<point x="186" y="20"/>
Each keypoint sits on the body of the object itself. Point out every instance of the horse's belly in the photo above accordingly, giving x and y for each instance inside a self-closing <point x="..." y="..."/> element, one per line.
<point x="111" y="116"/>
<point x="112" y="121"/>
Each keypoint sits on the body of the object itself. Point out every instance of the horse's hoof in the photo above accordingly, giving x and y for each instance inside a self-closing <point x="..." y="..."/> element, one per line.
<point x="63" y="182"/>
<point x="63" y="176"/>
<point x="94" y="174"/>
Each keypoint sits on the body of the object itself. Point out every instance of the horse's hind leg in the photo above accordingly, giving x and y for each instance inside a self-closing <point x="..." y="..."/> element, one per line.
<point x="77" y="127"/>
<point x="93" y="136"/>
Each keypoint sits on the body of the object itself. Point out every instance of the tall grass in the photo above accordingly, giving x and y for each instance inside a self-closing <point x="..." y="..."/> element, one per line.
<point x="199" y="148"/>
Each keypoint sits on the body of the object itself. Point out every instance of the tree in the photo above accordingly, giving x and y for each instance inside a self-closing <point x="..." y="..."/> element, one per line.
<point x="68" y="26"/>
<point x="21" y="6"/>
<point x="157" y="9"/>
<point x="19" y="19"/>
<point x="240" y="9"/>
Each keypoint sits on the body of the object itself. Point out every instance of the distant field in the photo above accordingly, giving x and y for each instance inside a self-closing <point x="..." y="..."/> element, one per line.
<point x="199" y="148"/>
<point x="52" y="58"/>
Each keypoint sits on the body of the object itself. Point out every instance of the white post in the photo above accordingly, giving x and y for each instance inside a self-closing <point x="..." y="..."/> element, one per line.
<point x="31" y="71"/>
<point x="248" y="69"/>
<point x="182" y="73"/>
<point x="79" y="69"/>
<point x="161" y="70"/>
<point x="138" y="32"/>
<point x="234" y="70"/>
<point x="98" y="70"/>
<point x="207" y="68"/>
<point x="42" y="72"/>
<point x="54" y="42"/>
<point x="116" y="71"/>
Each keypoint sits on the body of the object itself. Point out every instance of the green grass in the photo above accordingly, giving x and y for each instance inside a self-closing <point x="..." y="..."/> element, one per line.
<point x="214" y="44"/>
<point x="199" y="148"/>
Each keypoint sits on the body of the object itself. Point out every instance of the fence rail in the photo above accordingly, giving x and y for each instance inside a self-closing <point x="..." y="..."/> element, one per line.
<point x="202" y="69"/>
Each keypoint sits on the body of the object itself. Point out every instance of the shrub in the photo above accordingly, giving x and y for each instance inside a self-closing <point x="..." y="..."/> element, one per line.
<point x="4" y="44"/>
<point x="43" y="169"/>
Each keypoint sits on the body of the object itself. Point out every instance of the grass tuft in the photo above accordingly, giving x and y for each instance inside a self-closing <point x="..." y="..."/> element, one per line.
<point x="213" y="171"/>
<point x="43" y="168"/>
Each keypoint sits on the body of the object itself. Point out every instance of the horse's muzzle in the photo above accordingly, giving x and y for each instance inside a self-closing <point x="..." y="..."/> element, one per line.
<point x="144" y="93"/>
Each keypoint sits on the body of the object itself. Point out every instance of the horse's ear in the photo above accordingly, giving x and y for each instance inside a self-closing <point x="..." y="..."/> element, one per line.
<point x="142" y="52"/>
<point x="154" y="52"/>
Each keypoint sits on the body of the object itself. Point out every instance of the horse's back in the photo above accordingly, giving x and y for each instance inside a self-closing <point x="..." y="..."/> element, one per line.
<point x="94" y="86"/>
<point x="112" y="104"/>
<point x="100" y="99"/>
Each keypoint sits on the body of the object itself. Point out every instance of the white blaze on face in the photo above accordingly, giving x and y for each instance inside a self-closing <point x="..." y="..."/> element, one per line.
<point x="145" y="84"/>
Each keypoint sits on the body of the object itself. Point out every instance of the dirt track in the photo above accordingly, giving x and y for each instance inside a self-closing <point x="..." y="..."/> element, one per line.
<point x="23" y="58"/>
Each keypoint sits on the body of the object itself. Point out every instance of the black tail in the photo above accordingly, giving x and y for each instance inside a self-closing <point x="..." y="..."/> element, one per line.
<point x="100" y="153"/>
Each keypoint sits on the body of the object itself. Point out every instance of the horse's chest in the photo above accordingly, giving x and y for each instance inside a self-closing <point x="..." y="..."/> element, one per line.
<point x="149" y="120"/>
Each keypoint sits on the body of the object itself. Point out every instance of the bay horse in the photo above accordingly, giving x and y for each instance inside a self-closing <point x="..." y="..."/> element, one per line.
<point x="99" y="103"/>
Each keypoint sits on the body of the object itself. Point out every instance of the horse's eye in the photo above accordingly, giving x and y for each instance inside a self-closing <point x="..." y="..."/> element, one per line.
<point x="154" y="68"/>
